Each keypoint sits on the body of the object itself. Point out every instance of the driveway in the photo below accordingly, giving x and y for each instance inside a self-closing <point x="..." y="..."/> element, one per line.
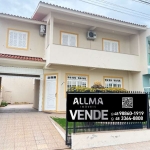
<point x="23" y="128"/>
<point x="26" y="129"/>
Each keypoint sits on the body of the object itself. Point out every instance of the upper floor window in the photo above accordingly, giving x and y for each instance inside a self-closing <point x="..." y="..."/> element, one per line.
<point x="110" y="45"/>
<point x="69" y="39"/>
<point x="17" y="39"/>
<point x="113" y="82"/>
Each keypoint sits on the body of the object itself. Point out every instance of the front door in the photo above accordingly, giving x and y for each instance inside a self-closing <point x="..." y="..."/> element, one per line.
<point x="50" y="92"/>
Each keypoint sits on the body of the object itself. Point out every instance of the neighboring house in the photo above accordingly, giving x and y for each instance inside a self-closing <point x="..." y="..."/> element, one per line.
<point x="64" y="57"/>
<point x="145" y="37"/>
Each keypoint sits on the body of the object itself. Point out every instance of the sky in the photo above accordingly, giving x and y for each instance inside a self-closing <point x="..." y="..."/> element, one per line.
<point x="26" y="8"/>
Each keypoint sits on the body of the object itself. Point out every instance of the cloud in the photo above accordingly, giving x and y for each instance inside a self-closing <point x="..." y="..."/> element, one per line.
<point x="26" y="8"/>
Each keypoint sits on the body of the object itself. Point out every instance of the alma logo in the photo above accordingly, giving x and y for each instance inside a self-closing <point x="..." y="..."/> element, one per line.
<point x="84" y="101"/>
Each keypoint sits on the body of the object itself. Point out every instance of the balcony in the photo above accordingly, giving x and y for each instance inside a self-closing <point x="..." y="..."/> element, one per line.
<point x="64" y="55"/>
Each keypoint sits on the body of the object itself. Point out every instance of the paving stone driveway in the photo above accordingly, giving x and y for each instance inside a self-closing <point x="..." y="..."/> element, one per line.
<point x="28" y="130"/>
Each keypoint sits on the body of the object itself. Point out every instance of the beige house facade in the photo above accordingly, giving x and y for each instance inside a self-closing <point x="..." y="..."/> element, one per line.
<point x="64" y="56"/>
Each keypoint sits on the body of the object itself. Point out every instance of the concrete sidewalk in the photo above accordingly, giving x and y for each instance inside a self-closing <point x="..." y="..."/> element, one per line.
<point x="135" y="146"/>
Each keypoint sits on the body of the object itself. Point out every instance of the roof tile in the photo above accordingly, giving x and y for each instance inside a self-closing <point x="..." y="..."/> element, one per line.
<point x="21" y="57"/>
<point x="20" y="17"/>
<point x="93" y="14"/>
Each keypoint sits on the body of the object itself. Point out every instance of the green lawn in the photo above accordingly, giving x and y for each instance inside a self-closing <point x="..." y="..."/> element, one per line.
<point x="62" y="123"/>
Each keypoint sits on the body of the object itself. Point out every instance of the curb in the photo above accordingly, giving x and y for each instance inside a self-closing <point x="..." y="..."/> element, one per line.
<point x="59" y="129"/>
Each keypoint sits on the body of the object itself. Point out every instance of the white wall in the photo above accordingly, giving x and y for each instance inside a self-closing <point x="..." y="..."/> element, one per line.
<point x="18" y="89"/>
<point x="134" y="44"/>
<point x="127" y="43"/>
<point x="65" y="55"/>
<point x="94" y="75"/>
<point x="103" y="139"/>
<point x="47" y="19"/>
<point x="137" y="79"/>
<point x="36" y="42"/>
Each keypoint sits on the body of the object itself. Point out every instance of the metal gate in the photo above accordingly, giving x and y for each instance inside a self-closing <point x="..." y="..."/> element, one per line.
<point x="79" y="127"/>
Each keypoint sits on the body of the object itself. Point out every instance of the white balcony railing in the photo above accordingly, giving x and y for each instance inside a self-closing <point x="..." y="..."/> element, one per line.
<point x="65" y="55"/>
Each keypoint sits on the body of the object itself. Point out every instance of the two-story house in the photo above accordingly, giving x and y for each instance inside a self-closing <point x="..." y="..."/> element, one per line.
<point x="66" y="57"/>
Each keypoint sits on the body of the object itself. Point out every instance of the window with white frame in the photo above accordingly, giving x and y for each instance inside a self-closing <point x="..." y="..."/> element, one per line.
<point x="18" y="39"/>
<point x="110" y="45"/>
<point x="68" y="39"/>
<point x="113" y="82"/>
<point x="73" y="80"/>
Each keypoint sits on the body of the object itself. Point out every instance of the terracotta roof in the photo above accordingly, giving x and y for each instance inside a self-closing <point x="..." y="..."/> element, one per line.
<point x="92" y="14"/>
<point x="21" y="57"/>
<point x="20" y="17"/>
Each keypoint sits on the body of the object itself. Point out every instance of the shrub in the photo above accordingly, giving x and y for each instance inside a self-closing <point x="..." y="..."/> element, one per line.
<point x="3" y="103"/>
<point x="96" y="89"/>
<point x="97" y="84"/>
<point x="115" y="89"/>
<point x="79" y="89"/>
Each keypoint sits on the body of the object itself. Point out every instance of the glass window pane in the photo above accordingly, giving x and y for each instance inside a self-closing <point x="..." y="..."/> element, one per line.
<point x="76" y="81"/>
<point x="113" y="82"/>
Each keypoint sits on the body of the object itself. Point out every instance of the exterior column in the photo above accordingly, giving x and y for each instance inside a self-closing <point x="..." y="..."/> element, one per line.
<point x="50" y="40"/>
<point x="46" y="39"/>
<point x="41" y="94"/>
<point x="130" y="81"/>
<point x="51" y="29"/>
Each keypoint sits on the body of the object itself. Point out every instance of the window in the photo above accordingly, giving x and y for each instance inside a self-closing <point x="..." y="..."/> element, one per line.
<point x="51" y="77"/>
<point x="68" y="39"/>
<point x="113" y="82"/>
<point x="110" y="45"/>
<point x="17" y="39"/>
<point x="73" y="80"/>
